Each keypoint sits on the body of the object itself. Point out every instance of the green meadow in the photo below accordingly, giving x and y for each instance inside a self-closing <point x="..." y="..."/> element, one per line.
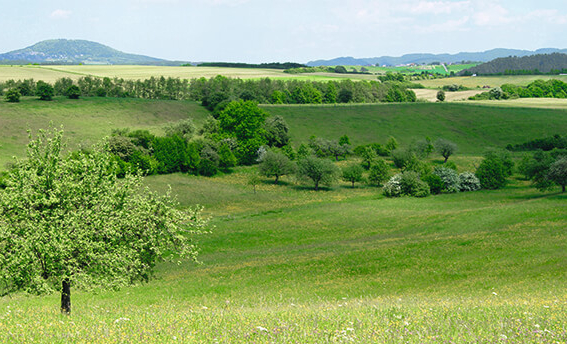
<point x="286" y="264"/>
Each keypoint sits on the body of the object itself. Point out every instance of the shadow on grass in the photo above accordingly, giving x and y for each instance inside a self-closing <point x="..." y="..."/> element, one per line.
<point x="312" y="188"/>
<point x="551" y="196"/>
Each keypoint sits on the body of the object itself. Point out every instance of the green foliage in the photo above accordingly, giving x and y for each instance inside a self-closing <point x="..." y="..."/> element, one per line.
<point x="277" y="131"/>
<point x="226" y="157"/>
<point x="406" y="160"/>
<point x="244" y="121"/>
<point x="435" y="183"/>
<point x="445" y="147"/>
<point x="273" y="164"/>
<point x="422" y="148"/>
<point x="209" y="162"/>
<point x="70" y="220"/>
<point x="73" y="92"/>
<point x="184" y="129"/>
<point x="406" y="183"/>
<point x="558" y="172"/>
<point x="441" y="95"/>
<point x="171" y="154"/>
<point x="320" y="171"/>
<point x="353" y="174"/>
<point x="44" y="91"/>
<point x="392" y="143"/>
<point x="13" y="95"/>
<point x="492" y="173"/>
<point x="378" y="172"/>
<point x="369" y="157"/>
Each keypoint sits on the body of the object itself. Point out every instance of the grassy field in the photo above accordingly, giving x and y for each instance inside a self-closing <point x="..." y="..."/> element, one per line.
<point x="431" y="94"/>
<point x="473" y="127"/>
<point x="290" y="265"/>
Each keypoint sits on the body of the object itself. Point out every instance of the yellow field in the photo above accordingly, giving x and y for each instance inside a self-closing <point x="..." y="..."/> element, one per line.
<point x="431" y="95"/>
<point x="52" y="73"/>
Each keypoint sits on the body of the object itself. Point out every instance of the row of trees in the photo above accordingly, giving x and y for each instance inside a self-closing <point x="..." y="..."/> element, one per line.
<point x="536" y="89"/>
<point x="215" y="93"/>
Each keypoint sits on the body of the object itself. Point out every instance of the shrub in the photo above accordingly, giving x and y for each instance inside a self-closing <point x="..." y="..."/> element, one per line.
<point x="378" y="172"/>
<point x="353" y="174"/>
<point x="441" y="95"/>
<point x="73" y="92"/>
<point x="412" y="185"/>
<point x="13" y="95"/>
<point x="320" y="171"/>
<point x="468" y="182"/>
<point x="445" y="147"/>
<point x="491" y="173"/>
<point x="44" y="90"/>
<point x="393" y="188"/>
<point x="450" y="178"/>
<point x="435" y="183"/>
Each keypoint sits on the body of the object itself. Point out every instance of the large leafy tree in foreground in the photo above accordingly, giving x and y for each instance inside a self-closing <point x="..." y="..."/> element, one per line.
<point x="68" y="221"/>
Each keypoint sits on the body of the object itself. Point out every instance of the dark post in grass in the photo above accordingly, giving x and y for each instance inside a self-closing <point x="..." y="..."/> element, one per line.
<point x="66" y="297"/>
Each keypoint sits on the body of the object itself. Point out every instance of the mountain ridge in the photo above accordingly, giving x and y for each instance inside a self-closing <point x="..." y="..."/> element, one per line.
<point x="420" y="58"/>
<point x="76" y="51"/>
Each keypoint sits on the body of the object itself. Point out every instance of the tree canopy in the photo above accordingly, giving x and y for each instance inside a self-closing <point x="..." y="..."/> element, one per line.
<point x="69" y="221"/>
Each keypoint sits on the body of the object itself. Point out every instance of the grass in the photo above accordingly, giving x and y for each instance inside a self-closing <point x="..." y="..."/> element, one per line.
<point x="473" y="127"/>
<point x="290" y="265"/>
<point x="86" y="120"/>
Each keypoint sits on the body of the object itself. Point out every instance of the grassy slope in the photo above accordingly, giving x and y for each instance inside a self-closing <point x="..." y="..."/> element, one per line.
<point x="86" y="120"/>
<point x="472" y="127"/>
<point x="288" y="264"/>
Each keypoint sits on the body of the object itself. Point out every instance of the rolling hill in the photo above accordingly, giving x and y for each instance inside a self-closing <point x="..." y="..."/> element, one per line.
<point x="64" y="51"/>
<point x="429" y="58"/>
<point x="534" y="64"/>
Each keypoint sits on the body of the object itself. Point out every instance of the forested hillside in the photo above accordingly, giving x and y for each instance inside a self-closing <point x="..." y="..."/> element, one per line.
<point x="555" y="63"/>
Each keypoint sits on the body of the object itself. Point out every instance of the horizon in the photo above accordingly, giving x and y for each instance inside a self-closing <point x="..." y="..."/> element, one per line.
<point x="253" y="31"/>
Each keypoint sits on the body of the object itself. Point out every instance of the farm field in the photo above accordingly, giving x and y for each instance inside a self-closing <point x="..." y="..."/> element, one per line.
<point x="431" y="94"/>
<point x="491" y="81"/>
<point x="286" y="264"/>
<point x="52" y="73"/>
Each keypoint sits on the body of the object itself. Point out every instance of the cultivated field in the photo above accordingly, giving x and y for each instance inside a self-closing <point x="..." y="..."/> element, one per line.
<point x="431" y="94"/>
<point x="491" y="81"/>
<point x="290" y="265"/>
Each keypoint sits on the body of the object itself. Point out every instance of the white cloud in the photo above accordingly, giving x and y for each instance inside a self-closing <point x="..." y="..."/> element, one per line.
<point x="436" y="7"/>
<point x="61" y="14"/>
<point x="493" y="15"/>
<point x="550" y="16"/>
<point x="448" y="26"/>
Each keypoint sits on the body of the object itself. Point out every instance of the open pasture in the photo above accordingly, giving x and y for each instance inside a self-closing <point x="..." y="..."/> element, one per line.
<point x="288" y="264"/>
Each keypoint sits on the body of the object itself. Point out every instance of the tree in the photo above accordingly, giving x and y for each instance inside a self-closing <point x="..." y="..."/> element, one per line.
<point x="184" y="129"/>
<point x="44" y="90"/>
<point x="441" y="96"/>
<point x="353" y="174"/>
<point x="491" y="173"/>
<point x="244" y="120"/>
<point x="445" y="147"/>
<point x="320" y="171"/>
<point x="13" y="95"/>
<point x="379" y="172"/>
<point x="277" y="131"/>
<point x="73" y="92"/>
<point x="558" y="172"/>
<point x="275" y="165"/>
<point x="67" y="221"/>
<point x="368" y="156"/>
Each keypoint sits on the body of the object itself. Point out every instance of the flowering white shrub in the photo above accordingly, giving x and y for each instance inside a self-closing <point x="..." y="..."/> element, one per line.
<point x="469" y="182"/>
<point x="393" y="187"/>
<point x="449" y="177"/>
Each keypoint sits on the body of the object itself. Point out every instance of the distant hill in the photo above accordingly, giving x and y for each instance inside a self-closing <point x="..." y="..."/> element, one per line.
<point x="554" y="63"/>
<point x="63" y="51"/>
<point x="429" y="58"/>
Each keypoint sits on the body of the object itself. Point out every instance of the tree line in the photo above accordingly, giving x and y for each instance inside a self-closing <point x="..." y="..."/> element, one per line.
<point x="554" y="63"/>
<point x="537" y="89"/>
<point x="219" y="90"/>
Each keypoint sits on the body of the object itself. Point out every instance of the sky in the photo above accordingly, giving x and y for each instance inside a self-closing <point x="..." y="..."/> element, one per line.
<point x="257" y="31"/>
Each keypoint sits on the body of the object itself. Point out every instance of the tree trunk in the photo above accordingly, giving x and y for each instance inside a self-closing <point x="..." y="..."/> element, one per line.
<point x="563" y="188"/>
<point x="317" y="186"/>
<point x="66" y="297"/>
<point x="353" y="184"/>
<point x="277" y="177"/>
<point x="446" y="158"/>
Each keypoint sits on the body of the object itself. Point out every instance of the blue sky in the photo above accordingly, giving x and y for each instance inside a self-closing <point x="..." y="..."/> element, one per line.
<point x="287" y="30"/>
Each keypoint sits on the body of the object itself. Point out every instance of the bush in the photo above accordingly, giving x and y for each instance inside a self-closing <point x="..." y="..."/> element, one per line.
<point x="73" y="92"/>
<point x="353" y="174"/>
<point x="378" y="172"/>
<point x="435" y="183"/>
<point x="491" y="173"/>
<point x="412" y="185"/>
<point x="13" y="95"/>
<point x="320" y="171"/>
<point x="441" y="95"/>
<point x="44" y="90"/>
<point x="468" y="182"/>
<point x="393" y="188"/>
<point x="450" y="178"/>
